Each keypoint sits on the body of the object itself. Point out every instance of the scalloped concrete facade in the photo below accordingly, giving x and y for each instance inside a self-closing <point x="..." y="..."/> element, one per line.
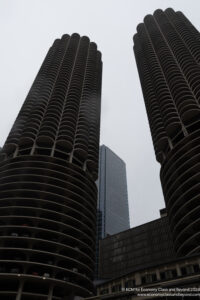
<point x="167" y="51"/>
<point x="48" y="169"/>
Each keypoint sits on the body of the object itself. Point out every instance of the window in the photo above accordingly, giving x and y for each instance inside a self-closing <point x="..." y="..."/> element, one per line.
<point x="171" y="274"/>
<point x="174" y="273"/>
<point x="104" y="291"/>
<point x="149" y="278"/>
<point x="190" y="269"/>
<point x="162" y="275"/>
<point x="183" y="271"/>
<point x="143" y="279"/>
<point x="130" y="283"/>
<point x="153" y="277"/>
<point x="196" y="268"/>
<point x="116" y="288"/>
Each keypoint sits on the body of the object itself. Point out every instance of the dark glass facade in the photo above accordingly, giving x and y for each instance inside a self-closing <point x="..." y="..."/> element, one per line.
<point x="140" y="247"/>
<point x="48" y="168"/>
<point x="112" y="207"/>
<point x="113" y="196"/>
<point x="167" y="51"/>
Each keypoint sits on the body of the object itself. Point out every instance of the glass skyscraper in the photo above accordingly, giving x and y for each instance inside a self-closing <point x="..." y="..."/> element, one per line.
<point x="113" y="196"/>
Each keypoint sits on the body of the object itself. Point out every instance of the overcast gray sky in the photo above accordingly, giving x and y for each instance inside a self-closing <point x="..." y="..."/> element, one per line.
<point x="27" y="30"/>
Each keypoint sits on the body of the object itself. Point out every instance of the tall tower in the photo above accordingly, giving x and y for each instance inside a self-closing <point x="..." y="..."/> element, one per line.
<point x="48" y="168"/>
<point x="112" y="207"/>
<point x="167" y="51"/>
<point x="113" y="196"/>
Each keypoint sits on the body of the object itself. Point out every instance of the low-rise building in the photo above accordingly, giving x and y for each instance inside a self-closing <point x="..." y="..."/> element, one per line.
<point x="140" y="247"/>
<point x="179" y="277"/>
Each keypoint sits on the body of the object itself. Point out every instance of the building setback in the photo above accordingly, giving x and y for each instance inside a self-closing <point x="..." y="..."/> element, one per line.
<point x="48" y="169"/>
<point x="167" y="51"/>
<point x="113" y="196"/>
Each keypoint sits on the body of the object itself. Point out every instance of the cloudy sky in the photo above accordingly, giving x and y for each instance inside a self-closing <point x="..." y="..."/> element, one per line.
<point x="27" y="30"/>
